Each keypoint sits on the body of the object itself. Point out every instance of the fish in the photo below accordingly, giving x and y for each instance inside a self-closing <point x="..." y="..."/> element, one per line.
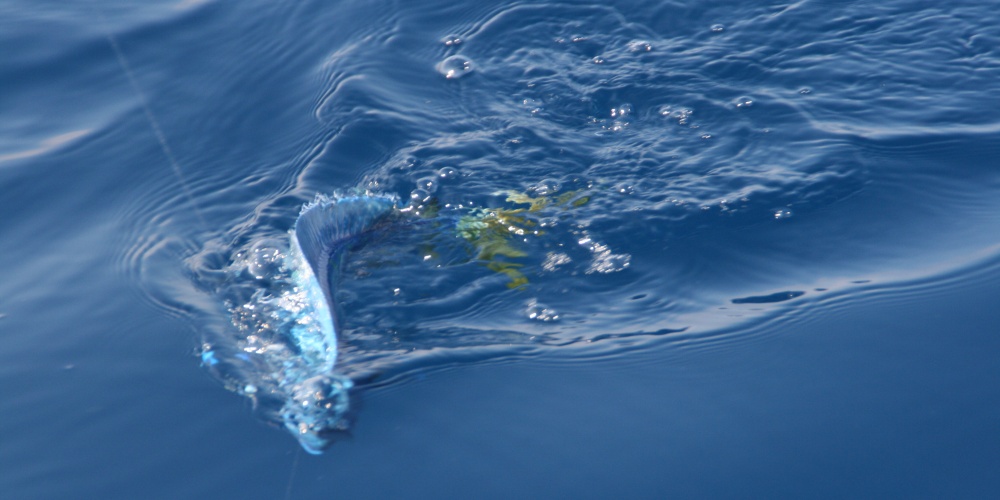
<point x="323" y="232"/>
<point x="302" y="368"/>
<point x="281" y="348"/>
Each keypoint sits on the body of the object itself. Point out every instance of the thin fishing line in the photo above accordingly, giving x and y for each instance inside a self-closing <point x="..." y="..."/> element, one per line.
<point x="291" y="477"/>
<point x="153" y="122"/>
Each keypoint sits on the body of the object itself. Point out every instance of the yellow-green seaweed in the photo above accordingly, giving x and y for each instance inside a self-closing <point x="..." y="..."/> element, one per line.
<point x="492" y="232"/>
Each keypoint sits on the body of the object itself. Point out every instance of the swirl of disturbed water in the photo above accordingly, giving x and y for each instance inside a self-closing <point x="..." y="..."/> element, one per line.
<point x="657" y="129"/>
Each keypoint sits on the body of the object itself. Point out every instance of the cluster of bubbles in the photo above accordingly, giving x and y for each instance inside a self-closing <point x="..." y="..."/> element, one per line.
<point x="540" y="312"/>
<point x="603" y="259"/>
<point x="456" y="66"/>
<point x="637" y="89"/>
<point x="262" y="304"/>
<point x="553" y="260"/>
<point x="680" y="114"/>
<point x="264" y="258"/>
<point x="545" y="187"/>
<point x="620" y="116"/>
<point x="423" y="194"/>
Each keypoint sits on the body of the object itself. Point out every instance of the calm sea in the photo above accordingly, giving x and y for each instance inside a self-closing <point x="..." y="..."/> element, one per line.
<point x="744" y="249"/>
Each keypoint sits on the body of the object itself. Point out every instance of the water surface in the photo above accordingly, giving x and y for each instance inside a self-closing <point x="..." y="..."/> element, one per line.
<point x="777" y="281"/>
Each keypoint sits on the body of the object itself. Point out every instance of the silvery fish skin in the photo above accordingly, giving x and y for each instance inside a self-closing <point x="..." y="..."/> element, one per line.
<point x="324" y="231"/>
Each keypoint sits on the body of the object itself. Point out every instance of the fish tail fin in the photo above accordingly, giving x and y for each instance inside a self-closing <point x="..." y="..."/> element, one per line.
<point x="330" y="222"/>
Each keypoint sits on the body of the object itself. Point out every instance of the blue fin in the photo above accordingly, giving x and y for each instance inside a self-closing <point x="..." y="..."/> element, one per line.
<point x="329" y="226"/>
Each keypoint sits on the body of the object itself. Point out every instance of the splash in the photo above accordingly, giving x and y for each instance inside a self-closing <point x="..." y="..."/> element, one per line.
<point x="282" y="351"/>
<point x="287" y="330"/>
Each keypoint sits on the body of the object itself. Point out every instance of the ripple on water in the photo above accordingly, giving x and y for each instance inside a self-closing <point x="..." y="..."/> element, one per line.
<point x="682" y="156"/>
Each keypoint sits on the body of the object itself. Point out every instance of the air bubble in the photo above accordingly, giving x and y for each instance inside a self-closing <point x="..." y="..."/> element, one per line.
<point x="534" y="104"/>
<point x="621" y="111"/>
<point x="549" y="222"/>
<point x="419" y="196"/>
<point x="805" y="90"/>
<point x="640" y="46"/>
<point x="718" y="28"/>
<point x="455" y="66"/>
<point x="782" y="214"/>
<point x="546" y="187"/>
<point x="681" y="115"/>
<point x="625" y="188"/>
<point x="451" y="40"/>
<point x="265" y="258"/>
<point x="447" y="173"/>
<point x="429" y="184"/>
<point x="744" y="102"/>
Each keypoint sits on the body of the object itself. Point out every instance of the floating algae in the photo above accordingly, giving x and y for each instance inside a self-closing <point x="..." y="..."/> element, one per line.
<point x="492" y="231"/>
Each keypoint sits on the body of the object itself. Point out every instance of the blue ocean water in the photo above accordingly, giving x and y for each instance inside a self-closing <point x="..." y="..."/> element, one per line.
<point x="766" y="266"/>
